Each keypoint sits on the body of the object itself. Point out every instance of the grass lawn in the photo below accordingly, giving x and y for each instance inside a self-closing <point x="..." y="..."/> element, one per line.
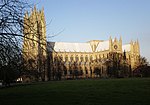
<point x="132" y="91"/>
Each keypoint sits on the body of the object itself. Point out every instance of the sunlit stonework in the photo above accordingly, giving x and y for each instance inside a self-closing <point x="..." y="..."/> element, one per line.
<point x="95" y="54"/>
<point x="34" y="45"/>
<point x="95" y="58"/>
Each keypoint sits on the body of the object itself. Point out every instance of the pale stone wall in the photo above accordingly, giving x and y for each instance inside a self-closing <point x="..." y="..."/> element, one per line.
<point x="35" y="48"/>
<point x="89" y="61"/>
<point x="35" y="44"/>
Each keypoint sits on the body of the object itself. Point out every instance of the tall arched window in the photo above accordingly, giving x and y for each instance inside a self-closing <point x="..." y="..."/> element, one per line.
<point x="81" y="58"/>
<point x="66" y="58"/>
<point x="86" y="58"/>
<point x="71" y="58"/>
<point x="76" y="58"/>
<point x="99" y="57"/>
<point x="91" y="58"/>
<point x="96" y="58"/>
<point x="107" y="56"/>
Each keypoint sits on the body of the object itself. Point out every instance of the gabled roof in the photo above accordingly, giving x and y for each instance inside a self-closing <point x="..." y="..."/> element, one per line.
<point x="102" y="46"/>
<point x="82" y="47"/>
<point x="69" y="47"/>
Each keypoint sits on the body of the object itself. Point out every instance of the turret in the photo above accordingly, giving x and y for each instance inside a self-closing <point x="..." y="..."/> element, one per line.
<point x="26" y="15"/>
<point x="110" y="44"/>
<point x="26" y="19"/>
<point x="35" y="10"/>
<point x="115" y="40"/>
<point x="131" y="43"/>
<point x="120" y="43"/>
<point x="42" y="11"/>
<point x="120" y="40"/>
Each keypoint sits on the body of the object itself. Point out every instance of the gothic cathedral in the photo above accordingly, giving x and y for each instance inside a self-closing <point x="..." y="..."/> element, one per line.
<point x="95" y="58"/>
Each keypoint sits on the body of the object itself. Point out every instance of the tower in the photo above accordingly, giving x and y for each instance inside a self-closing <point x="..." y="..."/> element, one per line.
<point x="115" y="45"/>
<point x="135" y="54"/>
<point x="110" y="44"/>
<point x="34" y="44"/>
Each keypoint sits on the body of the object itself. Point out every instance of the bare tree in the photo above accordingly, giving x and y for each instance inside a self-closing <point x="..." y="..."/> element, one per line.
<point x="11" y="35"/>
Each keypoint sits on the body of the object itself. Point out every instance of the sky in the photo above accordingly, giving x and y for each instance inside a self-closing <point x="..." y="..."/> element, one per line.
<point x="84" y="20"/>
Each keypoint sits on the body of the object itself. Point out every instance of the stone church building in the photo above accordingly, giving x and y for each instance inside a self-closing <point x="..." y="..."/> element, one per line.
<point x="94" y="58"/>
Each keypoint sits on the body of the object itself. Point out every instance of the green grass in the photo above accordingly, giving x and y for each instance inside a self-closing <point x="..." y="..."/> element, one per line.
<point x="80" y="92"/>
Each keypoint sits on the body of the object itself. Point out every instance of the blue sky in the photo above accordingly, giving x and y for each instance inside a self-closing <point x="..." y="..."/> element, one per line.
<point x="84" y="20"/>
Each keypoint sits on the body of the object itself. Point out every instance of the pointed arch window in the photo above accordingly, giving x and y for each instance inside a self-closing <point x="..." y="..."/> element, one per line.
<point x="76" y="58"/>
<point x="91" y="58"/>
<point x="66" y="58"/>
<point x="86" y="58"/>
<point x="81" y="58"/>
<point x="71" y="58"/>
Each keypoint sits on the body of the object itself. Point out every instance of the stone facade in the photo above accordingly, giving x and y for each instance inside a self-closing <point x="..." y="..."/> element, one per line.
<point x="85" y="58"/>
<point x="95" y="58"/>
<point x="34" y="45"/>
